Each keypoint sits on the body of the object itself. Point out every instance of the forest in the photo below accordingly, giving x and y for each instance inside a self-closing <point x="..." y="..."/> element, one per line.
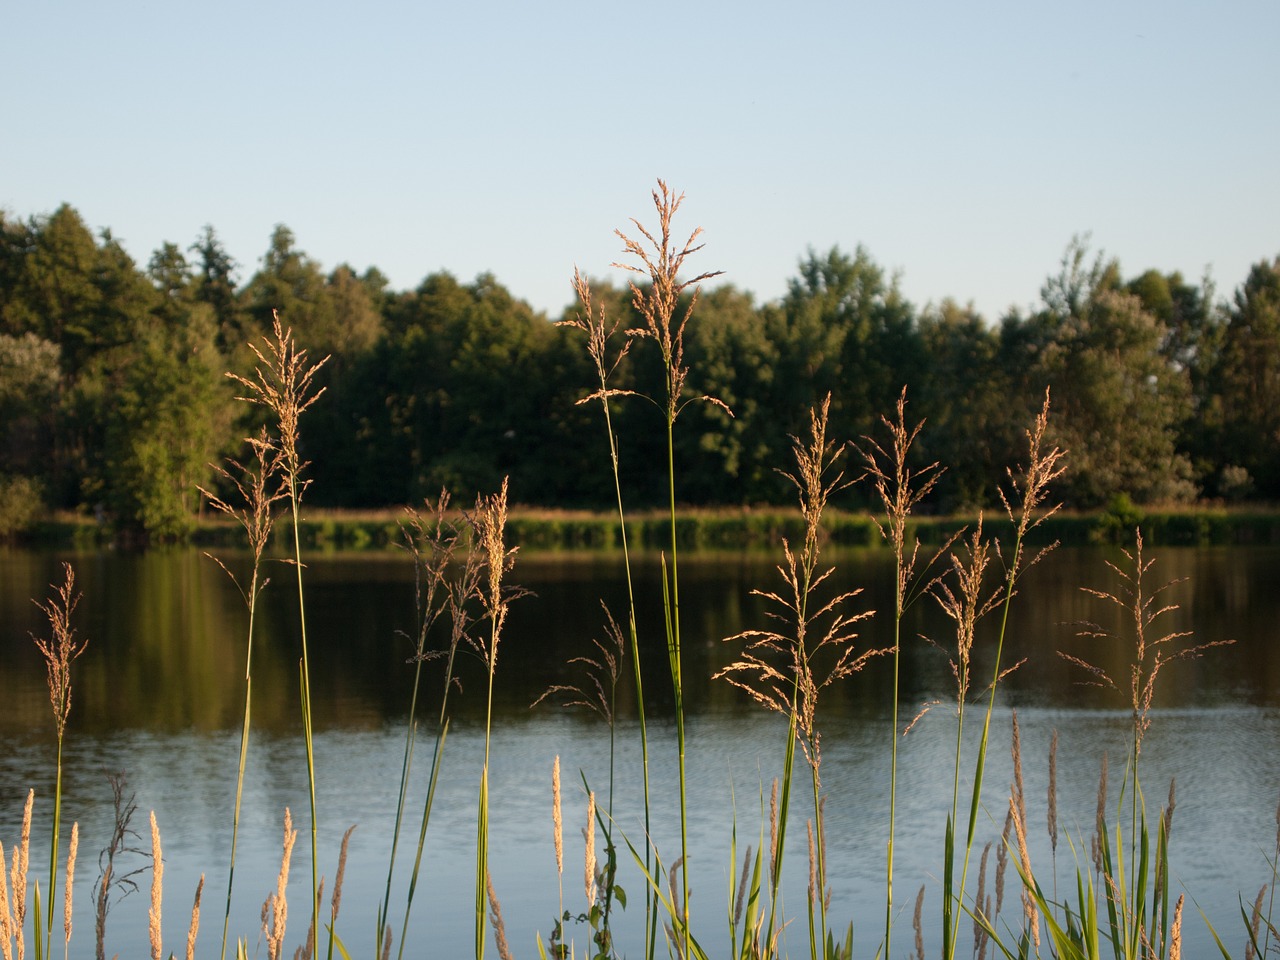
<point x="115" y="400"/>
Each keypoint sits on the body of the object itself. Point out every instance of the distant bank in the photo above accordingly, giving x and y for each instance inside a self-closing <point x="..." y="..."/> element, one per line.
<point x="714" y="529"/>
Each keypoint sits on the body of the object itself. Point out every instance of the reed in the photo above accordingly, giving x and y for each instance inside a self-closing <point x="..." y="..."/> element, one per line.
<point x="432" y="540"/>
<point x="283" y="384"/>
<point x="786" y="671"/>
<point x="1137" y="897"/>
<point x="59" y="650"/>
<point x="434" y="544"/>
<point x="900" y="488"/>
<point x="488" y="523"/>
<point x="601" y="335"/>
<point x="659" y="258"/>
<point x="253" y="513"/>
<point x="1023" y="500"/>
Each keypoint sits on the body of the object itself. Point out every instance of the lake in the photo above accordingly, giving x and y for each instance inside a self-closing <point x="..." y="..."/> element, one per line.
<point x="158" y="695"/>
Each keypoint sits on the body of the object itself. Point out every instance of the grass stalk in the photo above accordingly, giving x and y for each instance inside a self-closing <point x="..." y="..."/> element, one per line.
<point x="256" y="517"/>
<point x="899" y="489"/>
<point x="460" y="588"/>
<point x="488" y="524"/>
<point x="600" y="334"/>
<point x="660" y="259"/>
<point x="431" y="544"/>
<point x="283" y="383"/>
<point x="1143" y="607"/>
<point x="58" y="651"/>
<point x="1023" y="506"/>
<point x="816" y="650"/>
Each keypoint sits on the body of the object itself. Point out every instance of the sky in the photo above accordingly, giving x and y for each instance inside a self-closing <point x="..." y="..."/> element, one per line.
<point x="963" y="145"/>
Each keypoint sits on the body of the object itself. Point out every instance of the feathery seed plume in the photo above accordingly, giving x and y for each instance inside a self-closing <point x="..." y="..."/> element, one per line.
<point x="157" y="890"/>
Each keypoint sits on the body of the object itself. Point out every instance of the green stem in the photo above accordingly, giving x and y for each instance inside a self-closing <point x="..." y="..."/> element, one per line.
<point x="482" y="828"/>
<point x="651" y="916"/>
<point x="673" y="638"/>
<point x="305" y="673"/>
<point x="820" y="892"/>
<point x="410" y="736"/>
<point x="244" y="755"/>
<point x="980" y="769"/>
<point x="53" y="849"/>
<point x="893" y="752"/>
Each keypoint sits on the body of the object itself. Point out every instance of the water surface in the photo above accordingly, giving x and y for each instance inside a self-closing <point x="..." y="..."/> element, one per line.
<point x="159" y="693"/>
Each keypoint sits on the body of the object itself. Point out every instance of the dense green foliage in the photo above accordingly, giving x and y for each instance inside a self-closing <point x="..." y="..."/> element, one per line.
<point x="113" y="400"/>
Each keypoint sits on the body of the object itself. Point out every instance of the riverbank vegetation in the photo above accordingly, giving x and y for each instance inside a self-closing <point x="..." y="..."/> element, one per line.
<point x="1120" y="903"/>
<point x="114" y="402"/>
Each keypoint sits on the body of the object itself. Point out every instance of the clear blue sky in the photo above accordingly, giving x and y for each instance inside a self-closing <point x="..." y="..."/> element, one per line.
<point x="963" y="144"/>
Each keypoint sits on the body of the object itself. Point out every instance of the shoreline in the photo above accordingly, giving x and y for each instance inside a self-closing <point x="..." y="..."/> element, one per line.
<point x="553" y="530"/>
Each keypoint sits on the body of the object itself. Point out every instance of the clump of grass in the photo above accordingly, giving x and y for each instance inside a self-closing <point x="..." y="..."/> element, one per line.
<point x="786" y="669"/>
<point x="598" y="693"/>
<point x="441" y="586"/>
<point x="900" y="488"/>
<point x="443" y="583"/>
<point x="1133" y="927"/>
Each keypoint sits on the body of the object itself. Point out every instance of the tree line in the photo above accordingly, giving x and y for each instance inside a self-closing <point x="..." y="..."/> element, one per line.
<point x="114" y="399"/>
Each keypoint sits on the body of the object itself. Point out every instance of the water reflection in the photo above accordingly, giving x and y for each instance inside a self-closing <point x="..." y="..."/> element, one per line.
<point x="167" y="635"/>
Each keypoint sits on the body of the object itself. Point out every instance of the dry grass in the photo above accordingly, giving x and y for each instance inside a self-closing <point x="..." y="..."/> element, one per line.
<point x="62" y="647"/>
<point x="1145" y="608"/>
<point x="275" y="910"/>
<point x="194" y="927"/>
<point x="660" y="259"/>
<point x="283" y="383"/>
<point x="69" y="886"/>
<point x="157" y="891"/>
<point x="786" y="669"/>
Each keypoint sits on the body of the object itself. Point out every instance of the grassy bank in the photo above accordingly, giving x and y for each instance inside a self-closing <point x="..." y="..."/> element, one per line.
<point x="534" y="529"/>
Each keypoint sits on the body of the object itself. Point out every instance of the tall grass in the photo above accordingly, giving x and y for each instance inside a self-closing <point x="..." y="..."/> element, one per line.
<point x="787" y="671"/>
<point x="256" y="485"/>
<point x="1023" y="499"/>
<point x="1135" y="884"/>
<point x="442" y="586"/>
<point x="659" y="258"/>
<point x="59" y="650"/>
<point x="283" y="384"/>
<point x="601" y="334"/>
<point x="488" y="524"/>
<point x="900" y="488"/>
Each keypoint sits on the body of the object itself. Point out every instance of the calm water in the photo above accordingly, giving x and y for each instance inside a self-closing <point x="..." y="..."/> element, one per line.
<point x="158" y="695"/>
